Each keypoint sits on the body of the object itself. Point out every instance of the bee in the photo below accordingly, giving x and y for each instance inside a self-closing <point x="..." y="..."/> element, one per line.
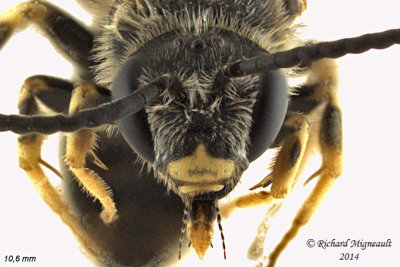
<point x="353" y="72"/>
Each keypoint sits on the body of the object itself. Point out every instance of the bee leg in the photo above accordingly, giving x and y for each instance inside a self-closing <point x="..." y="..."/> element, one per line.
<point x="253" y="199"/>
<point x="287" y="162"/>
<point x="284" y="175"/>
<point x="285" y="169"/>
<point x="54" y="94"/>
<point x="82" y="143"/>
<point x="68" y="36"/>
<point x="331" y="149"/>
<point x="29" y="150"/>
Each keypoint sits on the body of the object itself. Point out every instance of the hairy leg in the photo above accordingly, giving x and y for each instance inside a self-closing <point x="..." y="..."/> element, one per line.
<point x="82" y="143"/>
<point x="34" y="93"/>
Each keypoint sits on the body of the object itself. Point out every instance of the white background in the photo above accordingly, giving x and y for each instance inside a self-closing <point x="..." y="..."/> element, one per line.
<point x="362" y="205"/>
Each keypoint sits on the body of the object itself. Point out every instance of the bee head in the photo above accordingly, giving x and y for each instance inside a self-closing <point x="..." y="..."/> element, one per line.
<point x="203" y="131"/>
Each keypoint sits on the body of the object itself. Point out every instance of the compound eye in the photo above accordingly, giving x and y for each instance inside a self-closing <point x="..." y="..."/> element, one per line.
<point x="269" y="111"/>
<point x="198" y="45"/>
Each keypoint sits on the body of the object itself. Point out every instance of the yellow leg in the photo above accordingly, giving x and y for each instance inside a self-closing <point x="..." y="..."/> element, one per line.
<point x="19" y="17"/>
<point x="285" y="170"/>
<point x="331" y="169"/>
<point x="330" y="172"/>
<point x="79" y="144"/>
<point x="286" y="165"/>
<point x="249" y="200"/>
<point x="82" y="143"/>
<point x="29" y="150"/>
